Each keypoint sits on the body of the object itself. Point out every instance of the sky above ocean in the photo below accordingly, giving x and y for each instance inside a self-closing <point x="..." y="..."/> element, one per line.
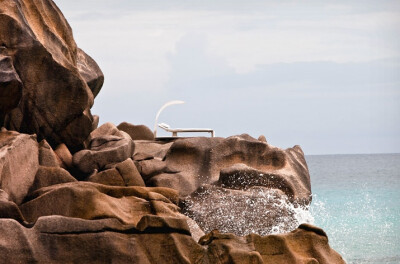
<point x="321" y="74"/>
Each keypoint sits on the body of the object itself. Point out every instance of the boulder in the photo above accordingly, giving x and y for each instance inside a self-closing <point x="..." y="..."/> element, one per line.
<point x="64" y="156"/>
<point x="47" y="157"/>
<point x="154" y="240"/>
<point x="46" y="83"/>
<point x="121" y="174"/>
<point x="107" y="177"/>
<point x="103" y="150"/>
<point x="150" y="167"/>
<point x="145" y="149"/>
<point x="303" y="245"/>
<point x="262" y="138"/>
<point x="19" y="161"/>
<point x="9" y="209"/>
<point x="47" y="176"/>
<point x="137" y="132"/>
<point x="91" y="73"/>
<point x="129" y="173"/>
<point x="89" y="200"/>
<point x="240" y="160"/>
<point x="107" y="129"/>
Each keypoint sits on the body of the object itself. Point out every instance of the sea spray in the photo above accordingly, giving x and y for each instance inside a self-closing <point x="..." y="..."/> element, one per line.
<point x="255" y="210"/>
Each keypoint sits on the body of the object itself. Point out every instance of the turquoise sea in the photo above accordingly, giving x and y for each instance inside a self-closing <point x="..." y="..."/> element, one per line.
<point x="356" y="200"/>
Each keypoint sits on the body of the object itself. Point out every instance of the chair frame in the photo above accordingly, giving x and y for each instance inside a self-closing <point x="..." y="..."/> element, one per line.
<point x="175" y="131"/>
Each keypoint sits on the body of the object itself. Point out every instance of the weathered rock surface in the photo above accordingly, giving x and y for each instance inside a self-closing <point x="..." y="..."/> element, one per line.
<point x="9" y="209"/>
<point x="107" y="129"/>
<point x="19" y="161"/>
<point x="90" y="72"/>
<point x="103" y="150"/>
<point x="137" y="132"/>
<point x="192" y="162"/>
<point x="121" y="174"/>
<point x="47" y="157"/>
<point x="47" y="84"/>
<point x="91" y="201"/>
<point x="148" y="150"/>
<point x="93" y="206"/>
<point x="153" y="240"/>
<point x="48" y="176"/>
<point x="64" y="156"/>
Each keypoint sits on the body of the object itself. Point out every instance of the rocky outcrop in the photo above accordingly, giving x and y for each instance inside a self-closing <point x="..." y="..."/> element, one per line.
<point x="48" y="176"/>
<point x="105" y="145"/>
<point x="116" y="194"/>
<point x="91" y="201"/>
<point x="154" y="240"/>
<point x="118" y="219"/>
<point x="121" y="174"/>
<point x="137" y="132"/>
<point x="19" y="161"/>
<point x="47" y="83"/>
<point x="47" y="156"/>
<point x="238" y="160"/>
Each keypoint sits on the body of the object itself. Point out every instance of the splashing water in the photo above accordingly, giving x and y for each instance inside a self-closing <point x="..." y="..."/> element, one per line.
<point x="255" y="210"/>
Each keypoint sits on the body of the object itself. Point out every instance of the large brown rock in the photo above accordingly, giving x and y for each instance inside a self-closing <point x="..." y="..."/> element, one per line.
<point x="89" y="200"/>
<point x="64" y="156"/>
<point x="107" y="177"/>
<point x="102" y="151"/>
<point x="121" y="174"/>
<point x="145" y="149"/>
<point x="237" y="162"/>
<point x="19" y="161"/>
<point x="48" y="176"/>
<point x="106" y="129"/>
<point x="58" y="82"/>
<point x="47" y="157"/>
<point x="137" y="132"/>
<point x="90" y="72"/>
<point x="9" y="209"/>
<point x="153" y="240"/>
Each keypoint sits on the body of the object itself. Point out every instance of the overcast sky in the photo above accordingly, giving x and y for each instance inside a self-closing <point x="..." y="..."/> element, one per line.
<point x="321" y="74"/>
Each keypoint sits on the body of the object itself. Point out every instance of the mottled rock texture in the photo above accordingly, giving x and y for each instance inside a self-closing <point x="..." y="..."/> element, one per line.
<point x="116" y="194"/>
<point x="236" y="162"/>
<point x="137" y="132"/>
<point x="154" y="240"/>
<point x="19" y="161"/>
<point x="105" y="145"/>
<point x="47" y="83"/>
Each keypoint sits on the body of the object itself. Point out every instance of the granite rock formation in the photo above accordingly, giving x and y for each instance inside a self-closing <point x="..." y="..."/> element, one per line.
<point x="19" y="161"/>
<point x="74" y="193"/>
<point x="137" y="132"/>
<point x="237" y="160"/>
<point x="47" y="84"/>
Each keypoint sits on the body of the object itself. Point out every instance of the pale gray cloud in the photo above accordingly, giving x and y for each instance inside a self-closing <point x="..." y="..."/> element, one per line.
<point x="322" y="74"/>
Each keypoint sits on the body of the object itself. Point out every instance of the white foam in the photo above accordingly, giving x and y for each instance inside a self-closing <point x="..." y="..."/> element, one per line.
<point x="256" y="210"/>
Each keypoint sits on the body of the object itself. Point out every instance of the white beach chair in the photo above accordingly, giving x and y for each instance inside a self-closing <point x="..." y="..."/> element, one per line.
<point x="175" y="131"/>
